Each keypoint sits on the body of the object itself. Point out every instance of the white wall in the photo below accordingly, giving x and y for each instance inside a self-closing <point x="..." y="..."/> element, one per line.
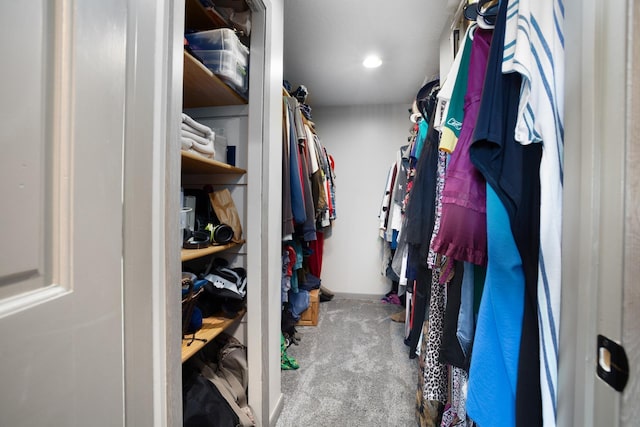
<point x="363" y="141"/>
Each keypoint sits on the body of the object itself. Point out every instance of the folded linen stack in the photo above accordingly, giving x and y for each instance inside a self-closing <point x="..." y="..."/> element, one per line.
<point x="196" y="137"/>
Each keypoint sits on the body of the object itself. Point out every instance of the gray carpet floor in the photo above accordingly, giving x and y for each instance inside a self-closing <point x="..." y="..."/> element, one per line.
<point x="354" y="370"/>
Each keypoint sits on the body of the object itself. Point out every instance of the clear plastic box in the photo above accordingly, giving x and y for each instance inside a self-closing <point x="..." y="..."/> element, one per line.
<point x="228" y="66"/>
<point x="219" y="39"/>
<point x="220" y="145"/>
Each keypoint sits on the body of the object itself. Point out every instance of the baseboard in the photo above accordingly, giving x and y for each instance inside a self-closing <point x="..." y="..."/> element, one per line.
<point x="359" y="297"/>
<point x="273" y="419"/>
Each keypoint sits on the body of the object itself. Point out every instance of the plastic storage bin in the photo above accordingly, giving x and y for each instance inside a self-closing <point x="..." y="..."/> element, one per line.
<point x="219" y="39"/>
<point x="229" y="67"/>
<point x="220" y="145"/>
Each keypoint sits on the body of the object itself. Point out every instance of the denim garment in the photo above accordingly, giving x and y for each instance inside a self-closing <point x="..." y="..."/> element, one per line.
<point x="299" y="302"/>
<point x="466" y="322"/>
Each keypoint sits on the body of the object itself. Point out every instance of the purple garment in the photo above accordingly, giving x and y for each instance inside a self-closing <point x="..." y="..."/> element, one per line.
<point x="463" y="227"/>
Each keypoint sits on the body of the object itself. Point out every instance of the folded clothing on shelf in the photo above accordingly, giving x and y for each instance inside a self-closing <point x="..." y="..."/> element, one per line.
<point x="195" y="126"/>
<point x="196" y="137"/>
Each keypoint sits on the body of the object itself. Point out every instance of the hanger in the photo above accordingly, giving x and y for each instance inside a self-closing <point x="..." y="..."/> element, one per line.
<point x="483" y="12"/>
<point x="415" y="115"/>
<point x="488" y="10"/>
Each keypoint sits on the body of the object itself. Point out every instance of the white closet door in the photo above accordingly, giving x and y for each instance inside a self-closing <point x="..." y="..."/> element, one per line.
<point x="62" y="98"/>
<point x="600" y="237"/>
<point x="630" y="411"/>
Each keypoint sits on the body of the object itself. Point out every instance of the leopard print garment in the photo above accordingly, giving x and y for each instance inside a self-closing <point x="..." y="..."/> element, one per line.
<point x="428" y="412"/>
<point x="442" y="167"/>
<point x="455" y="413"/>
<point x="435" y="373"/>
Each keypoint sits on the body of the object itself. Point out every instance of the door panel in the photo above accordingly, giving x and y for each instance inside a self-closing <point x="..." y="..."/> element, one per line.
<point x="23" y="136"/>
<point x="62" y="109"/>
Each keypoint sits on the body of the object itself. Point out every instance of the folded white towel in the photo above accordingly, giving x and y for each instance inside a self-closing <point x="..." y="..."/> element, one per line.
<point x="186" y="143"/>
<point x="206" y="130"/>
<point x="188" y="128"/>
<point x="197" y="138"/>
<point x="206" y="156"/>
<point x="202" y="148"/>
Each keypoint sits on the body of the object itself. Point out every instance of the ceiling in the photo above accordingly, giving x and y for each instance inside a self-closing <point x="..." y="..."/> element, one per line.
<point x="325" y="42"/>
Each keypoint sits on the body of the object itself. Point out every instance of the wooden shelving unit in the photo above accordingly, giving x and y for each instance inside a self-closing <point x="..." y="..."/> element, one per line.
<point x="198" y="18"/>
<point x="195" y="164"/>
<point x="211" y="328"/>
<point x="202" y="88"/>
<point x="190" y="254"/>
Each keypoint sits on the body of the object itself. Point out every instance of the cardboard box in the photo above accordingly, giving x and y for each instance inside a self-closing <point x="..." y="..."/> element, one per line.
<point x="309" y="317"/>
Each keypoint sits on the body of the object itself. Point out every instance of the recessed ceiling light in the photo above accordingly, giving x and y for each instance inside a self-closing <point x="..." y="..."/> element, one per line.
<point x="372" y="61"/>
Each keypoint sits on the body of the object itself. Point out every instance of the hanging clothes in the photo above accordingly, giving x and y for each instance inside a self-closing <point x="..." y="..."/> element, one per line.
<point x="419" y="220"/>
<point x="318" y="192"/>
<point x="442" y="167"/>
<point x="287" y="209"/>
<point x="428" y="412"/>
<point x="454" y="113"/>
<point x="329" y="166"/>
<point x="308" y="228"/>
<point x="308" y="207"/>
<point x="455" y="413"/>
<point x="451" y="352"/>
<point x="295" y="168"/>
<point x="391" y="216"/>
<point x="397" y="196"/>
<point x="399" y="263"/>
<point x="462" y="234"/>
<point x="466" y="317"/>
<point x="434" y="384"/>
<point x="504" y="318"/>
<point x="404" y="182"/>
<point x="534" y="48"/>
<point x="497" y="340"/>
<point x="446" y="91"/>
<point x="317" y="250"/>
<point x="385" y="205"/>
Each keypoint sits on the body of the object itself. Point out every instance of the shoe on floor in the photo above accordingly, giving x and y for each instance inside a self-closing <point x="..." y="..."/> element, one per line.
<point x="398" y="317"/>
<point x="391" y="299"/>
<point x="324" y="297"/>
<point x="326" y="291"/>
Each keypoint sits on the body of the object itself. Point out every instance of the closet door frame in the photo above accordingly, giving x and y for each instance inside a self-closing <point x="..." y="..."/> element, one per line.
<point x="151" y="259"/>
<point x="264" y="201"/>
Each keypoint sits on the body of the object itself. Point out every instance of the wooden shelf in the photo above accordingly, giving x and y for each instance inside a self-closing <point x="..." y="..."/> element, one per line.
<point x="197" y="17"/>
<point x="202" y="88"/>
<point x="211" y="328"/>
<point x="190" y="254"/>
<point x="195" y="164"/>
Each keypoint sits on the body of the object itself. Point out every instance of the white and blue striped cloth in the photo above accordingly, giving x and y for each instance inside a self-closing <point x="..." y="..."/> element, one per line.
<point x="534" y="47"/>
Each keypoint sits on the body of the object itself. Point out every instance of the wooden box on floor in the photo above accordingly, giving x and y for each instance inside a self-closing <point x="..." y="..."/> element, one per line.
<point x="309" y="317"/>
